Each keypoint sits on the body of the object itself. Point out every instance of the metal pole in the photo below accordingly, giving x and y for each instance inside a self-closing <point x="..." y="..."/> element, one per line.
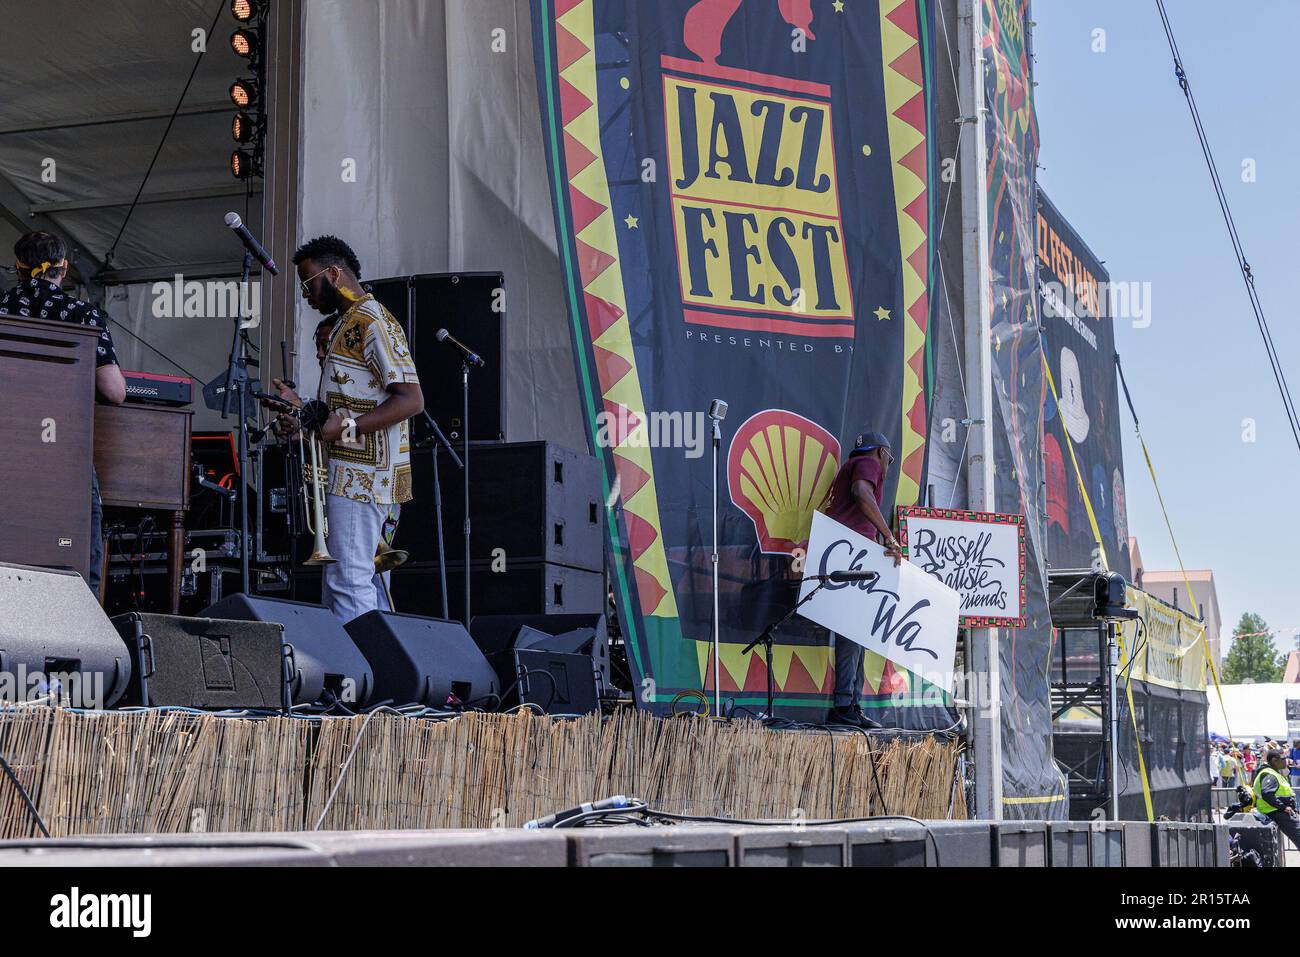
<point x="1112" y="716"/>
<point x="986" y="723"/>
<point x="464" y="424"/>
<point x="717" y="622"/>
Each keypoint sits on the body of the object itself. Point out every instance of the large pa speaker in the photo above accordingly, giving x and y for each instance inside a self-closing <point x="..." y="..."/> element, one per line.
<point x="499" y="635"/>
<point x="521" y="588"/>
<point x="203" y="662"/>
<point x="54" y="638"/>
<point x="423" y="660"/>
<point x="556" y="682"/>
<point x="324" y="662"/>
<point x="529" y="501"/>
<point x="471" y="306"/>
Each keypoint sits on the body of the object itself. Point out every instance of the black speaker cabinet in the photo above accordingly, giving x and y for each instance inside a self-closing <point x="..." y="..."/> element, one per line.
<point x="471" y="306"/>
<point x="523" y="588"/>
<point x="556" y="682"/>
<point x="54" y="638"/>
<point x="529" y="501"/>
<point x="499" y="635"/>
<point x="203" y="662"/>
<point x="424" y="660"/>
<point x="324" y="662"/>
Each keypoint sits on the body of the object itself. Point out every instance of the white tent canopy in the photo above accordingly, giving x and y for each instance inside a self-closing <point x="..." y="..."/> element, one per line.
<point x="1253" y="710"/>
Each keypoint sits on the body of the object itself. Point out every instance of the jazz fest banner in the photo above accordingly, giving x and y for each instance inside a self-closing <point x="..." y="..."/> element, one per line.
<point x="743" y="201"/>
<point x="905" y="615"/>
<point x="1079" y="337"/>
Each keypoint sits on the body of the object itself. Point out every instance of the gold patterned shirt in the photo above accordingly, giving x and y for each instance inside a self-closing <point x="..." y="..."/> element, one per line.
<point x="367" y="354"/>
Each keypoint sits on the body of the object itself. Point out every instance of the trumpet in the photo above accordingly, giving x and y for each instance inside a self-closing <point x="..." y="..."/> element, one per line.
<point x="387" y="558"/>
<point x="314" y="479"/>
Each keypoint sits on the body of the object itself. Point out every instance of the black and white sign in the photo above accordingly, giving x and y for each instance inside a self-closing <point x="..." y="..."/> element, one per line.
<point x="904" y="615"/>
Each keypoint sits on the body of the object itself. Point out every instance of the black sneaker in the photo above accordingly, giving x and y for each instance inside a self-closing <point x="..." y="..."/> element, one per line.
<point x="866" y="722"/>
<point x="848" y="717"/>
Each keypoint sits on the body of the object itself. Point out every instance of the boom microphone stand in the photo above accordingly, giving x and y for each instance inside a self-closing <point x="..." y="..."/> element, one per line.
<point x="464" y="467"/>
<point x="468" y="357"/>
<point x="718" y="412"/>
<point x="769" y="633"/>
<point x="237" y="381"/>
<point x="437" y="439"/>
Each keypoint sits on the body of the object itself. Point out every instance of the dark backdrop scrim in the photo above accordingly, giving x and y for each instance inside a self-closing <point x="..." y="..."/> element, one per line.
<point x="1079" y="336"/>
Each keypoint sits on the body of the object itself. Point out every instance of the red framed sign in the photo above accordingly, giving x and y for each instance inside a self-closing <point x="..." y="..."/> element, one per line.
<point x="981" y="555"/>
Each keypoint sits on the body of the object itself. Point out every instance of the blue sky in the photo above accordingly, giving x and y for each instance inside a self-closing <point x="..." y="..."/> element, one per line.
<point x="1119" y="157"/>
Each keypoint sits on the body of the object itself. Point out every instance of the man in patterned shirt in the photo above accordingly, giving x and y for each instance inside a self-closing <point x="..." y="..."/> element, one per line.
<point x="369" y="389"/>
<point x="41" y="261"/>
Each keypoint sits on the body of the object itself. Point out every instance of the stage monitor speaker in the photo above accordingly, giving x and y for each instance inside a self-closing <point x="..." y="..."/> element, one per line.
<point x="424" y="660"/>
<point x="523" y="588"/>
<point x="209" y="663"/>
<point x="471" y="306"/>
<point x="497" y="635"/>
<point x="531" y="501"/>
<point x="558" y="683"/>
<point x="324" y="661"/>
<point x="51" y="627"/>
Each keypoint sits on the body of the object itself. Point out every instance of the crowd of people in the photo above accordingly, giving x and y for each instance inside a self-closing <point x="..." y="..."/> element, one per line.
<point x="1235" y="763"/>
<point x="1266" y="778"/>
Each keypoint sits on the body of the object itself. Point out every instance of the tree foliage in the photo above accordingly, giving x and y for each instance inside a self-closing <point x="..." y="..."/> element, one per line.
<point x="1253" y="656"/>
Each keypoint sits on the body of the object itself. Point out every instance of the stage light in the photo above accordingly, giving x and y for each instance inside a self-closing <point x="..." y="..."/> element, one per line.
<point x="245" y="10"/>
<point x="243" y="127"/>
<point x="244" y="43"/>
<point x="1109" y="598"/>
<point x="242" y="164"/>
<point x="243" y="93"/>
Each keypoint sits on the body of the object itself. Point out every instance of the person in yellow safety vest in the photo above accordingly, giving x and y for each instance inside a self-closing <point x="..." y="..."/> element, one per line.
<point x="1274" y="797"/>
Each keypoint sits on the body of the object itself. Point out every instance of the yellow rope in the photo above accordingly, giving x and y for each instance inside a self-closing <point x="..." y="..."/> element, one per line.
<point x="1101" y="551"/>
<point x="1205" y="641"/>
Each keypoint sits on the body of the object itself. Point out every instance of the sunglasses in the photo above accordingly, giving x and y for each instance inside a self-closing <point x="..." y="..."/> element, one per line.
<point x="306" y="282"/>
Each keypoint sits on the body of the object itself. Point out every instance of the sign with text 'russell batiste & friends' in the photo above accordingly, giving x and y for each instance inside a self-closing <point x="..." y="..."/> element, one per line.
<point x="979" y="554"/>
<point x="904" y="614"/>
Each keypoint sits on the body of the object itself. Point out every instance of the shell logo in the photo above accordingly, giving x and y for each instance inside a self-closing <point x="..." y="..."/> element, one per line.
<point x="779" y="468"/>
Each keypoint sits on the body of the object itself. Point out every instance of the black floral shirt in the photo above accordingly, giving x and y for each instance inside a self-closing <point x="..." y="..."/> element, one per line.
<point x="37" y="298"/>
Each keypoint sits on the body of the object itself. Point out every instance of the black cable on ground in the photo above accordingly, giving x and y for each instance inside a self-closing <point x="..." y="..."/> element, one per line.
<point x="27" y="799"/>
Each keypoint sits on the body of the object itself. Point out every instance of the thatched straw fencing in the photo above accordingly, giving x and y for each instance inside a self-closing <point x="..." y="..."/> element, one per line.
<point x="167" y="772"/>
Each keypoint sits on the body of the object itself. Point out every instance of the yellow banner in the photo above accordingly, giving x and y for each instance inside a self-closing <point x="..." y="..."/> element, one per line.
<point x="1166" y="644"/>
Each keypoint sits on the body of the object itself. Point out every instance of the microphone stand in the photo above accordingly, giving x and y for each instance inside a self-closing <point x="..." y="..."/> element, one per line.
<point x="237" y="381"/>
<point x="464" y="467"/>
<point x="717" y="621"/>
<point x="769" y="633"/>
<point x="435" y="440"/>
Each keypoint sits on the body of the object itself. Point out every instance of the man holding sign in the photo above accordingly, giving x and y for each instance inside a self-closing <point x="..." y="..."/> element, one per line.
<point x="855" y="500"/>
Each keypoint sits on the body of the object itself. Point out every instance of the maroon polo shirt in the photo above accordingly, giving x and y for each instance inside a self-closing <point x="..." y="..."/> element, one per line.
<point x="842" y="507"/>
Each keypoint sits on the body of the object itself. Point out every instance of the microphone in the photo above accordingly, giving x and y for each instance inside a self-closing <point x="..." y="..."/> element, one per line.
<point x="553" y="820"/>
<point x="845" y="577"/>
<point x="717" y="410"/>
<point x="251" y="243"/>
<point x="469" y="355"/>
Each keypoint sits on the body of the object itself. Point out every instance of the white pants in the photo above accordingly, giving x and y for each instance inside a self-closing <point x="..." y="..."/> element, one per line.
<point x="349" y="586"/>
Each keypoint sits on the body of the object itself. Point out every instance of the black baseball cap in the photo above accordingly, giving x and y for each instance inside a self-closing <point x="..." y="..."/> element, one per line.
<point x="868" y="441"/>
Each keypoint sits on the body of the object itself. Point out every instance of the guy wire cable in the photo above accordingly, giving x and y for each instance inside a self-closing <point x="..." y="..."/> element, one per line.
<point x="1242" y="264"/>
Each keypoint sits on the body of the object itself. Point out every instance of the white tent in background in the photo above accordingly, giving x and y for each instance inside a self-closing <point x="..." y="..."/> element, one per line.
<point x="1253" y="710"/>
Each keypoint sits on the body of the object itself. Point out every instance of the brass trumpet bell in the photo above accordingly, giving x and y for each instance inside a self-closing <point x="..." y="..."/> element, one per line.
<point x="387" y="558"/>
